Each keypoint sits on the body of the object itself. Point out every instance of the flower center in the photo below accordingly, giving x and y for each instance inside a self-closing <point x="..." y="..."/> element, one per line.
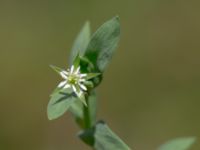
<point x="72" y="79"/>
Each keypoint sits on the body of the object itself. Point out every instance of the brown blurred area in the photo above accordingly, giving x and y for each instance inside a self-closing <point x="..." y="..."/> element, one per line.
<point x="150" y="92"/>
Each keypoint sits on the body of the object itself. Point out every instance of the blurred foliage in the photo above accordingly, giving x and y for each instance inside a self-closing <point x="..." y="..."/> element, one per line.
<point x="155" y="72"/>
<point x="183" y="143"/>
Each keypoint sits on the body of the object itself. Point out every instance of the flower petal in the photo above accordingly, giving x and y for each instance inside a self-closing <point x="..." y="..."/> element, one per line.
<point x="72" y="69"/>
<point x="61" y="84"/>
<point x="63" y="75"/>
<point x="77" y="90"/>
<point x="82" y="98"/>
<point x="83" y="87"/>
<point x="74" y="88"/>
<point x="82" y="80"/>
<point x="65" y="72"/>
<point x="83" y="75"/>
<point x="66" y="86"/>
<point x="77" y="70"/>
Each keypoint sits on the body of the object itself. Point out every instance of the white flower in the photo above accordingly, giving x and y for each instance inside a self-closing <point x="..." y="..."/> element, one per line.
<point x="75" y="80"/>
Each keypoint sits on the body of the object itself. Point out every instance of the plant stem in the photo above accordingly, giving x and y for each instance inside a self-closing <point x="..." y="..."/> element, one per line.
<point x="89" y="119"/>
<point x="86" y="111"/>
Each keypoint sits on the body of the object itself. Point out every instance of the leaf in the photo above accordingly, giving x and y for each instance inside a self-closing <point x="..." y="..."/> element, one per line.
<point x="103" y="43"/>
<point x="81" y="42"/>
<point x="105" y="139"/>
<point x="83" y="100"/>
<point x="89" y="84"/>
<point x="76" y="61"/>
<point x="92" y="75"/>
<point x="183" y="143"/>
<point x="56" y="90"/>
<point x="59" y="103"/>
<point x="77" y="109"/>
<point x="87" y="136"/>
<point x="86" y="65"/>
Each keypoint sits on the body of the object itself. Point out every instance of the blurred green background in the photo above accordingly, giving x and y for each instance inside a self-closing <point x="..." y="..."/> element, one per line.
<point x="151" y="90"/>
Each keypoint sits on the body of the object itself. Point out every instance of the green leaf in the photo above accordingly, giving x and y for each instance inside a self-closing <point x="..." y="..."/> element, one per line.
<point x="92" y="75"/>
<point x="81" y="42"/>
<point x="76" y="61"/>
<point x="59" y="103"/>
<point x="56" y="90"/>
<point x="86" y="65"/>
<point x="103" y="43"/>
<point x="105" y="139"/>
<point x="183" y="143"/>
<point x="77" y="109"/>
<point x="89" y="84"/>
<point x="87" y="136"/>
<point x="83" y="100"/>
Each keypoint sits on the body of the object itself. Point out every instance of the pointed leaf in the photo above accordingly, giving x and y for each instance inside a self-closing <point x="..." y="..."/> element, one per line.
<point x="81" y="42"/>
<point x="59" y="103"/>
<point x="77" y="109"/>
<point x="89" y="84"/>
<point x="87" y="136"/>
<point x="105" y="139"/>
<point x="56" y="90"/>
<point x="103" y="43"/>
<point x="76" y="61"/>
<point x="83" y="100"/>
<point x="178" y="144"/>
<point x="92" y="75"/>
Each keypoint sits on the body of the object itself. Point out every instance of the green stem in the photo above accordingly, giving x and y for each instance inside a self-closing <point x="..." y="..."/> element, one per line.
<point x="87" y="119"/>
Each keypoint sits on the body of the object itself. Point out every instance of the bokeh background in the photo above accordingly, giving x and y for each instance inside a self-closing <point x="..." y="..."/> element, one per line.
<point x="151" y="90"/>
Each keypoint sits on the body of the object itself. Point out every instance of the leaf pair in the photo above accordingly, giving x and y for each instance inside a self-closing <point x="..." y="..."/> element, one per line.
<point x="99" y="48"/>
